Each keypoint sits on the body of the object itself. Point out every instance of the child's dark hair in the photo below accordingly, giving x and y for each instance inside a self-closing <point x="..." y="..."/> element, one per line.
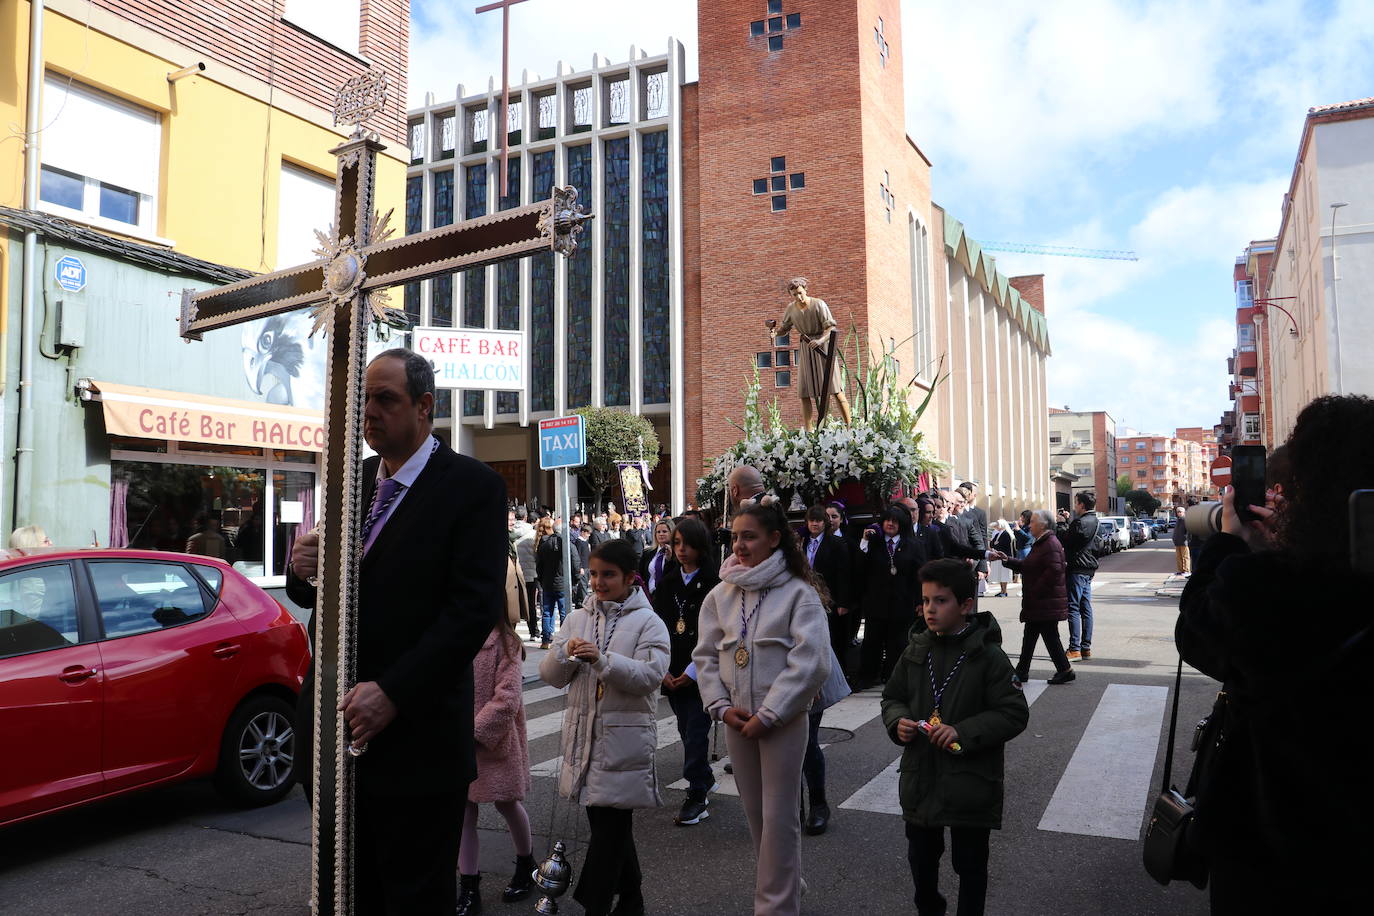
<point x="901" y="516"/>
<point x="619" y="553"/>
<point x="771" y="517"/>
<point x="693" y="533"/>
<point x="955" y="575"/>
<point x="817" y="514"/>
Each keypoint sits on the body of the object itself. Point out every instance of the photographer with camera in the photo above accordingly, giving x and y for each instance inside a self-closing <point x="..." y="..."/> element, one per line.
<point x="1275" y="611"/>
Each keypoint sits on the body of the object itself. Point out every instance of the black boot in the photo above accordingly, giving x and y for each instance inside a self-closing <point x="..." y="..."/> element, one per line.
<point x="522" y="882"/>
<point x="469" y="897"/>
<point x="820" y="815"/>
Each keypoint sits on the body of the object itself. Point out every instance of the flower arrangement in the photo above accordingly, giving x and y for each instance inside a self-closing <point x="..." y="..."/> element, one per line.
<point x="882" y="449"/>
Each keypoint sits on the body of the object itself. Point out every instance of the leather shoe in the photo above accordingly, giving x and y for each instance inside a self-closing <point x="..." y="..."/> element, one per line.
<point x="819" y="819"/>
<point x="1063" y="677"/>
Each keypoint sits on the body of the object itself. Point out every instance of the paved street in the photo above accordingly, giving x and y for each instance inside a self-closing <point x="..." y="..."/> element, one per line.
<point x="1079" y="781"/>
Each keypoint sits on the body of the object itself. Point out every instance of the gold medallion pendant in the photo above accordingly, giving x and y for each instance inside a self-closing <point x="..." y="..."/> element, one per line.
<point x="741" y="657"/>
<point x="935" y="717"/>
<point x="681" y="627"/>
<point x="600" y="690"/>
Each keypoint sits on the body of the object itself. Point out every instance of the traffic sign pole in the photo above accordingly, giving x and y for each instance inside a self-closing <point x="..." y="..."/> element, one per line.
<point x="567" y="547"/>
<point x="563" y="445"/>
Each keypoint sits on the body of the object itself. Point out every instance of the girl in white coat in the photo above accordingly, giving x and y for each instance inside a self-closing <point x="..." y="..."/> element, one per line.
<point x="612" y="653"/>
<point x="762" y="654"/>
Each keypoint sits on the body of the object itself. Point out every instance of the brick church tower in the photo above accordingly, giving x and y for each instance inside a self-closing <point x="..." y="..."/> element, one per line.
<point x="796" y="161"/>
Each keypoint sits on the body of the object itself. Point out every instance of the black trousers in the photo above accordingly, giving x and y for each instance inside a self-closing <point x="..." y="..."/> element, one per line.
<point x="611" y="865"/>
<point x="841" y="632"/>
<point x="925" y="846"/>
<point x="407" y="853"/>
<point x="1048" y="630"/>
<point x="813" y="764"/>
<point x="533" y="612"/>
<point x="885" y="639"/>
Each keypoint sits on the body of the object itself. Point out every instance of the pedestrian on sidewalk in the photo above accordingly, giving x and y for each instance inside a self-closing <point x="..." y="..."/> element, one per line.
<point x="1003" y="543"/>
<point x="548" y="557"/>
<point x="612" y="655"/>
<point x="762" y="654"/>
<point x="503" y="762"/>
<point x="1044" y="598"/>
<point x="678" y="602"/>
<point x="955" y="676"/>
<point x="1182" y="557"/>
<point x="1077" y="536"/>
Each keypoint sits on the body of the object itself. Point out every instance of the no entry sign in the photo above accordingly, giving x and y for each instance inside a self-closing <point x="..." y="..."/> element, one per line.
<point x="1221" y="471"/>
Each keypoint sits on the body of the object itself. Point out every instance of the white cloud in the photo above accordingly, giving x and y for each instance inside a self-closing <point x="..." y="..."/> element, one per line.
<point x="449" y="45"/>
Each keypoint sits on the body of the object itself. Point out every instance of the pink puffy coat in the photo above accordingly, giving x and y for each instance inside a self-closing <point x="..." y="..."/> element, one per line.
<point x="503" y="754"/>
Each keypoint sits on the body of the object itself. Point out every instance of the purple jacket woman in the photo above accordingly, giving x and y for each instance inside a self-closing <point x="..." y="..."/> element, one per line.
<point x="1044" y="598"/>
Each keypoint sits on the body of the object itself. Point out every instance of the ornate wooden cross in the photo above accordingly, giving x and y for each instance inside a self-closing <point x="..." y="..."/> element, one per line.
<point x="346" y="289"/>
<point x="504" y="6"/>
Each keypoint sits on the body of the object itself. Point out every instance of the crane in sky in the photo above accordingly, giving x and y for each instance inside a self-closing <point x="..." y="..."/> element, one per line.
<point x="1062" y="251"/>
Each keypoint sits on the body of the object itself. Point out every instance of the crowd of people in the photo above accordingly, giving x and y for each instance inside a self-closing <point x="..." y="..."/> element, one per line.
<point x="751" y="625"/>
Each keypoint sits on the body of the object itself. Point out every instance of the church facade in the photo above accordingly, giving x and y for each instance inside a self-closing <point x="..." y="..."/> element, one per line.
<point x="789" y="156"/>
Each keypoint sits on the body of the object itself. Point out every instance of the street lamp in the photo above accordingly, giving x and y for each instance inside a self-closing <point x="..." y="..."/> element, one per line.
<point x="1335" y="301"/>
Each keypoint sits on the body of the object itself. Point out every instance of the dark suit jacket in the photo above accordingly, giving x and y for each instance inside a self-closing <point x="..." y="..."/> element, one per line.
<point x="834" y="566"/>
<point x="882" y="595"/>
<point x="431" y="589"/>
<point x="647" y="558"/>
<point x="956" y="536"/>
<point x="931" y="542"/>
<point x="977" y="521"/>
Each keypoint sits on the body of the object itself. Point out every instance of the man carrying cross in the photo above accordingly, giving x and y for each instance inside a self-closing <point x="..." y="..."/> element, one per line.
<point x="432" y="584"/>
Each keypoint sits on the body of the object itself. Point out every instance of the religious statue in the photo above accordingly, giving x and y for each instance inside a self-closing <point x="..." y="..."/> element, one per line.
<point x="816" y="369"/>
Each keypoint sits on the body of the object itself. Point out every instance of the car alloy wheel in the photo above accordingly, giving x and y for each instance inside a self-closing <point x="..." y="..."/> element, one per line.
<point x="266" y="750"/>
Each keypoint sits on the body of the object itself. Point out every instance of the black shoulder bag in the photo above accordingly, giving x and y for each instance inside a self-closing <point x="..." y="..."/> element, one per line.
<point x="1170" y="854"/>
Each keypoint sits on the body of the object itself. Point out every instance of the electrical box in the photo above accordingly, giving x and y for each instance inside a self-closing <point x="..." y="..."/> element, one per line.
<point x="69" y="328"/>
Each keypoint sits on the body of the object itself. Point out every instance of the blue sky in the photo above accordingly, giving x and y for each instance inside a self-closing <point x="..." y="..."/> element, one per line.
<point x="1169" y="128"/>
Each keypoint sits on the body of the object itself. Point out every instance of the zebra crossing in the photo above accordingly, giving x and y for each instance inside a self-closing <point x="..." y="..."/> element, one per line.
<point x="1103" y="791"/>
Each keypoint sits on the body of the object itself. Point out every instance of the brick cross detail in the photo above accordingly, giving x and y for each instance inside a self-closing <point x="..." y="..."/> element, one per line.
<point x="779" y="182"/>
<point x="885" y="191"/>
<point x="881" y="41"/>
<point x="775" y="26"/>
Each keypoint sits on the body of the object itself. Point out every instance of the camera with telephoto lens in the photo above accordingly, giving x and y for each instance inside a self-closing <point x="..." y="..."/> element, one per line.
<point x="1204" y="520"/>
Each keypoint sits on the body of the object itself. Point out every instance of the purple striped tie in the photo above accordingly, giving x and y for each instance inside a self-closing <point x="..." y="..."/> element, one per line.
<point x="382" y="498"/>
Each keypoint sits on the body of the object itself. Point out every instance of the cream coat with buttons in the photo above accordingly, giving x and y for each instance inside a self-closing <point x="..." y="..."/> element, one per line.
<point x="788" y="642"/>
<point x="609" y="744"/>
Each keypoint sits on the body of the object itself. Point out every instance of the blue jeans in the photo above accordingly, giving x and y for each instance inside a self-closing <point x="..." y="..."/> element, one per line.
<point x="813" y="764"/>
<point x="550" y="601"/>
<point x="694" y="725"/>
<point x="1080" y="586"/>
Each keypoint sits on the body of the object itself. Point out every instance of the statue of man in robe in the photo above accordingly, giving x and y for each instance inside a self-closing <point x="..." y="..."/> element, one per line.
<point x="813" y="323"/>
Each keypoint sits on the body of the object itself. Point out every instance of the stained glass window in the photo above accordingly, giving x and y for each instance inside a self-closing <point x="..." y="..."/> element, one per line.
<point x="656" y="95"/>
<point x="515" y="117"/>
<point x="448" y="130"/>
<point x="541" y="300"/>
<point x="580" y="290"/>
<point x="441" y="288"/>
<point x="654" y="273"/>
<point x="548" y="118"/>
<point x="417" y="142"/>
<point x="581" y="108"/>
<point x="478" y="124"/>
<point x="475" y="278"/>
<point x="415" y="205"/>
<point x="508" y="285"/>
<point x="618" y="102"/>
<point x="615" y="189"/>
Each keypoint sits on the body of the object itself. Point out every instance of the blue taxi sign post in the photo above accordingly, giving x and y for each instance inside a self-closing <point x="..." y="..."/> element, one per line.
<point x="563" y="445"/>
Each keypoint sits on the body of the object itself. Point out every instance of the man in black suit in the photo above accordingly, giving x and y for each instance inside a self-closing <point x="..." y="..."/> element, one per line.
<point x="432" y="583"/>
<point x="889" y="590"/>
<point x="829" y="557"/>
<point x="977" y="521"/>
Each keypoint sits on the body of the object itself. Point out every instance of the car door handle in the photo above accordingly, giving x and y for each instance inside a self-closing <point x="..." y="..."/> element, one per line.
<point x="225" y="650"/>
<point x="75" y="674"/>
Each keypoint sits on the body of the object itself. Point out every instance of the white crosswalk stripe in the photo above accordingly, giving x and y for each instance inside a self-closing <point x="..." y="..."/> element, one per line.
<point x="1103" y="790"/>
<point x="879" y="794"/>
<point x="1106" y="786"/>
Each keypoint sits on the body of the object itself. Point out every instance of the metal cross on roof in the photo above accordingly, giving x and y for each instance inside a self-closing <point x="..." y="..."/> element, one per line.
<point x="504" y="6"/>
<point x="346" y="288"/>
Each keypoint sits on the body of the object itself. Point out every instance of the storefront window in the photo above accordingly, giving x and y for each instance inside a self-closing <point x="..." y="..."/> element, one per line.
<point x="293" y="504"/>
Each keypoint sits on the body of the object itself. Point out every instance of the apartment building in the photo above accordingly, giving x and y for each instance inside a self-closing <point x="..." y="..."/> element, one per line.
<point x="1083" y="443"/>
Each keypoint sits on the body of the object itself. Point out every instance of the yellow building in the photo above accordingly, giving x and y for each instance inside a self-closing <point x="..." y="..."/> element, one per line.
<point x="170" y="146"/>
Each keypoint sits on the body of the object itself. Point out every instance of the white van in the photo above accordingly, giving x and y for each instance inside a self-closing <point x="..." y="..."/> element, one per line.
<point x="1123" y="528"/>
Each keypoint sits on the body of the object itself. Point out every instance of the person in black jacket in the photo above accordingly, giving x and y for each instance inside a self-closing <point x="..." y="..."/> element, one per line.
<point x="685" y="585"/>
<point x="926" y="530"/>
<point x="889" y="589"/>
<point x="1077" y="537"/>
<point x="548" y="565"/>
<point x="1275" y="611"/>
<point x="431" y="585"/>
<point x="657" y="562"/>
<point x="829" y="557"/>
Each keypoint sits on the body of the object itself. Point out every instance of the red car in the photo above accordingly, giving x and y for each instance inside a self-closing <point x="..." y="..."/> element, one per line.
<point x="124" y="669"/>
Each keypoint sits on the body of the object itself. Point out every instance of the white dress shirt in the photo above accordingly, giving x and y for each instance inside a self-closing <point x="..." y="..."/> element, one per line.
<point x="406" y="478"/>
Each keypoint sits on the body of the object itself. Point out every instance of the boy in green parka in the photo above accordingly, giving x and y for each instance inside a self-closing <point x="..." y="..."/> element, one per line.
<point x="954" y="676"/>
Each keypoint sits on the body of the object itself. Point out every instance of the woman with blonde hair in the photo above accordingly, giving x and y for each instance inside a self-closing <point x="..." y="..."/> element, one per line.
<point x="30" y="536"/>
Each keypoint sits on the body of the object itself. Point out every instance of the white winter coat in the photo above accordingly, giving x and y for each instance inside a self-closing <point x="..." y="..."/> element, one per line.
<point x="789" y="643"/>
<point x="609" y="745"/>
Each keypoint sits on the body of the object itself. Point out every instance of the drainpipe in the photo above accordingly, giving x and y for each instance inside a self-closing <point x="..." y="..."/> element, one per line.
<point x="23" y="457"/>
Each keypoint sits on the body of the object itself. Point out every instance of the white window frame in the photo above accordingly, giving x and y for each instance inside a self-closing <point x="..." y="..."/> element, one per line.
<point x="922" y="301"/>
<point x="64" y="101"/>
<point x="300" y="191"/>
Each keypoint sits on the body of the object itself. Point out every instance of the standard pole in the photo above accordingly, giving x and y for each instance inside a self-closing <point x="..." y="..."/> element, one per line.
<point x="567" y="545"/>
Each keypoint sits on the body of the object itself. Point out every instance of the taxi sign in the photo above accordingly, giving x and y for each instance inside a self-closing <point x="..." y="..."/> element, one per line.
<point x="562" y="443"/>
<point x="1221" y="471"/>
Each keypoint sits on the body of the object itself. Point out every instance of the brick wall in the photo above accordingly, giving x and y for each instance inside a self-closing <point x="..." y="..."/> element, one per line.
<point x="251" y="37"/>
<point x="691" y="293"/>
<point x="1032" y="289"/>
<point x="826" y="104"/>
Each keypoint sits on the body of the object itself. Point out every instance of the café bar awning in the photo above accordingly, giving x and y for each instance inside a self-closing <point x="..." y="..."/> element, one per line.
<point x="150" y="413"/>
